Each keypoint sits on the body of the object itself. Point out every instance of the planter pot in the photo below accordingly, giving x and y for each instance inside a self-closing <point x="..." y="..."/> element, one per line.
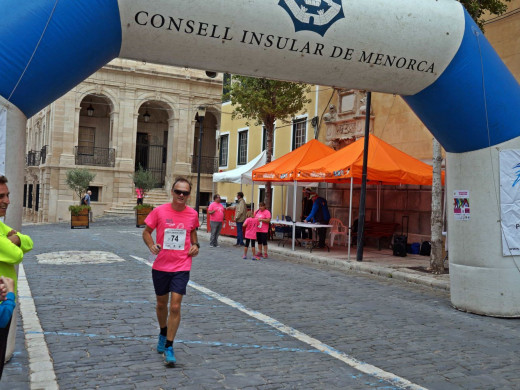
<point x="79" y="221"/>
<point x="140" y="216"/>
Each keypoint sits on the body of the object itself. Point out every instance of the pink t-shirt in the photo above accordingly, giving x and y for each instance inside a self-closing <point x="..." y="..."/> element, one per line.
<point x="177" y="225"/>
<point x="251" y="226"/>
<point x="218" y="215"/>
<point x="263" y="227"/>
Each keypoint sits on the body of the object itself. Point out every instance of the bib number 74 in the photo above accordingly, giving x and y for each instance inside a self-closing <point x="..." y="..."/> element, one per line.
<point x="174" y="239"/>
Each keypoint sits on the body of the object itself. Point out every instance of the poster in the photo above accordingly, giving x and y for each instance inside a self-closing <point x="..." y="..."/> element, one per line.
<point x="461" y="205"/>
<point x="510" y="201"/>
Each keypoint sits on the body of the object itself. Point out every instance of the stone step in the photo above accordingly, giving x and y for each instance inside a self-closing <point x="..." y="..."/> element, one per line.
<point x="154" y="197"/>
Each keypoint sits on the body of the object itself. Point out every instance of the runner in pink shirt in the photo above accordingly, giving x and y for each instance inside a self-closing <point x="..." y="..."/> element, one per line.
<point x="216" y="218"/>
<point x="264" y="218"/>
<point x="176" y="243"/>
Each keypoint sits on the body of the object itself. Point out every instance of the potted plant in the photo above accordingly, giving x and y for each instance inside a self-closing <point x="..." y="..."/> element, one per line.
<point x="78" y="180"/>
<point x="141" y="212"/>
<point x="144" y="180"/>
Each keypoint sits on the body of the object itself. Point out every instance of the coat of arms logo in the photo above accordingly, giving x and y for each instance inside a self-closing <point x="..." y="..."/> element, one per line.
<point x="313" y="15"/>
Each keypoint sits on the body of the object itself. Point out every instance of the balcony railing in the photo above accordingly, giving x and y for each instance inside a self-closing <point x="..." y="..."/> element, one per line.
<point x="33" y="158"/>
<point x="208" y="164"/>
<point x="101" y="157"/>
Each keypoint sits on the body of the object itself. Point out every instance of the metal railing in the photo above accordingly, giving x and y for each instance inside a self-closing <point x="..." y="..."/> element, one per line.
<point x="101" y="157"/>
<point x="33" y="158"/>
<point x="208" y="164"/>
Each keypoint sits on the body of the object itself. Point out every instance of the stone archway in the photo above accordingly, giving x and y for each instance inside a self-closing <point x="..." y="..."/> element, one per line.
<point x="94" y="142"/>
<point x="151" y="146"/>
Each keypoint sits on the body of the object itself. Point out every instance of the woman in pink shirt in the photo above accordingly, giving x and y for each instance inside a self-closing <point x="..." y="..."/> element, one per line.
<point x="250" y="226"/>
<point x="264" y="217"/>
<point x="216" y="217"/>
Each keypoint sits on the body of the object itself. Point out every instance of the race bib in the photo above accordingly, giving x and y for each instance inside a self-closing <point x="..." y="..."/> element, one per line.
<point x="174" y="239"/>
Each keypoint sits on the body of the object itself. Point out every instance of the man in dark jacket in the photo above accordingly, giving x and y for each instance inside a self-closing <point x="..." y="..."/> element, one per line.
<point x="320" y="214"/>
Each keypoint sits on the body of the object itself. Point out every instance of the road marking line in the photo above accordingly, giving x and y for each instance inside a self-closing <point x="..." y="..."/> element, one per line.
<point x="187" y="342"/>
<point x="352" y="362"/>
<point x="42" y="375"/>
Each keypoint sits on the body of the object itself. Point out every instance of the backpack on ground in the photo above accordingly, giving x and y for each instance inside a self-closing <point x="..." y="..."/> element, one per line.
<point x="426" y="248"/>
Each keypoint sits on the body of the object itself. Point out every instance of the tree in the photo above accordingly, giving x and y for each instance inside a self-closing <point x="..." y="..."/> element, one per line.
<point x="436" y="259"/>
<point x="265" y="101"/>
<point x="79" y="179"/>
<point x="144" y="179"/>
<point x="476" y="9"/>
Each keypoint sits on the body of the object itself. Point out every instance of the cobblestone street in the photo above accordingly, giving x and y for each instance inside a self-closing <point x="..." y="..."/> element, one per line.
<point x="269" y="324"/>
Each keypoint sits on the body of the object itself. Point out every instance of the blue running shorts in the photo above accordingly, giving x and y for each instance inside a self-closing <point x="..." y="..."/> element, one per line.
<point x="166" y="282"/>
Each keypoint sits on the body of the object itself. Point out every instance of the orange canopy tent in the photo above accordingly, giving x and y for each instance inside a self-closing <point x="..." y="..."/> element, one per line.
<point x="285" y="168"/>
<point x="386" y="165"/>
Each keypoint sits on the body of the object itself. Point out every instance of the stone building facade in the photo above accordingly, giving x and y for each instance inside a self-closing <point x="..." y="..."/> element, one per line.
<point x="126" y="114"/>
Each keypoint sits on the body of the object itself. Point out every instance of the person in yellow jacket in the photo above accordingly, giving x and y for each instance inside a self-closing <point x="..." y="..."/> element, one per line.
<point x="13" y="245"/>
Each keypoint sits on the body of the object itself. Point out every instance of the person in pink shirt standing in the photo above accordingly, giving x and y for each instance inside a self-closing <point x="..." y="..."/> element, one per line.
<point x="176" y="243"/>
<point x="216" y="218"/>
<point x="140" y="195"/>
<point x="251" y="226"/>
<point x="264" y="218"/>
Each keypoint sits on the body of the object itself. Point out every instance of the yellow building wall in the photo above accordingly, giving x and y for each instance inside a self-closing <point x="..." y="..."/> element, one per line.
<point x="319" y="100"/>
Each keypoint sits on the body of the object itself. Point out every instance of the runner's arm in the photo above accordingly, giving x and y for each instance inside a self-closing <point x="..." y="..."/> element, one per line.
<point x="148" y="240"/>
<point x="194" y="248"/>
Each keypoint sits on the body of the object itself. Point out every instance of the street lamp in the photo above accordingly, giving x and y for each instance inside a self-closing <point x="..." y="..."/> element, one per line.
<point x="201" y="113"/>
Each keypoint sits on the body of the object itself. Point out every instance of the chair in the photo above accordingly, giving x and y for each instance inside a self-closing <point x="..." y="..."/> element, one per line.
<point x="337" y="229"/>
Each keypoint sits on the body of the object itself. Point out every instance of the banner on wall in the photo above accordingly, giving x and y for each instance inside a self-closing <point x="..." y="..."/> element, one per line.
<point x="3" y="133"/>
<point x="510" y="201"/>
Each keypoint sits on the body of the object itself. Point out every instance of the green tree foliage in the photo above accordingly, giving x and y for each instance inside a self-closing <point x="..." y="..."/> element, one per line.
<point x="144" y="179"/>
<point x="79" y="179"/>
<point x="265" y="101"/>
<point x="477" y="8"/>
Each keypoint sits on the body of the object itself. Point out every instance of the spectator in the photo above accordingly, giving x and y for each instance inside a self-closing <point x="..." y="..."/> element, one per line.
<point x="140" y="195"/>
<point x="240" y="217"/>
<point x="13" y="246"/>
<point x="319" y="214"/>
<point x="251" y="227"/>
<point x="264" y="218"/>
<point x="216" y="218"/>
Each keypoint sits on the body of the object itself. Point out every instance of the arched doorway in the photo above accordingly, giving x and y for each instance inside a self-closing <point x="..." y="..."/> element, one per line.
<point x="93" y="142"/>
<point x="152" y="139"/>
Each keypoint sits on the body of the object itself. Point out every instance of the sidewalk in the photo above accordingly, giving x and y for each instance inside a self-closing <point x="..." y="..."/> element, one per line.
<point x="380" y="263"/>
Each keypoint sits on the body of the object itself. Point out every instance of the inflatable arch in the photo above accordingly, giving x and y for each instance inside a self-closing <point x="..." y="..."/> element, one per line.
<point x="430" y="52"/>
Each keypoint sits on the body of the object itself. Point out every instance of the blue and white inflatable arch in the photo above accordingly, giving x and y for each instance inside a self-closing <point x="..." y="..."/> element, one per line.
<point x="430" y="52"/>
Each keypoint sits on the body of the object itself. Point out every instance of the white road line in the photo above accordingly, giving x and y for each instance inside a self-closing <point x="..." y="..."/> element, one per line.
<point x="41" y="369"/>
<point x="352" y="362"/>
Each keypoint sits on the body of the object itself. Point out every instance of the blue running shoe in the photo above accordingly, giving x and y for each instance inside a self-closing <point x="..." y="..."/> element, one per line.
<point x="169" y="356"/>
<point x="161" y="343"/>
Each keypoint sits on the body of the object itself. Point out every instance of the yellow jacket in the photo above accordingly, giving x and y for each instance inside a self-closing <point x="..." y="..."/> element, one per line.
<point x="11" y="254"/>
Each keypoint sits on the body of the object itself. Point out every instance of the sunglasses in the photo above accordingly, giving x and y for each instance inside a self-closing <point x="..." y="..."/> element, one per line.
<point x="179" y="192"/>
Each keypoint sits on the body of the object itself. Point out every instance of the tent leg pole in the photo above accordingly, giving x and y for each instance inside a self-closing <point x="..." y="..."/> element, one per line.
<point x="350" y="218"/>
<point x="295" y="187"/>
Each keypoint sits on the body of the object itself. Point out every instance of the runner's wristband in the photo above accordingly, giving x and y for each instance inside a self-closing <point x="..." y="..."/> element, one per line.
<point x="196" y="243"/>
